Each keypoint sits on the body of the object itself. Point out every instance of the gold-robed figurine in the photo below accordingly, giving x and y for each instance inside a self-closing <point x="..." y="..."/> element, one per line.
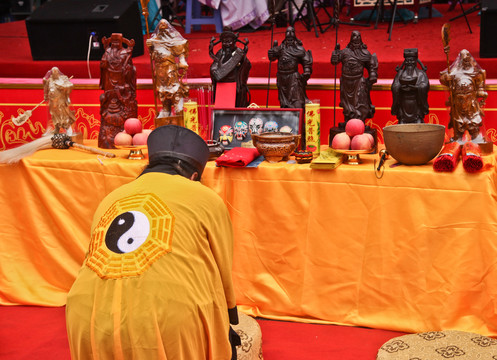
<point x="466" y="82"/>
<point x="57" y="90"/>
<point x="168" y="53"/>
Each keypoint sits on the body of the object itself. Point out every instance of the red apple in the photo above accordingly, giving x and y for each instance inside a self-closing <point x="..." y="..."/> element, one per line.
<point x="123" y="139"/>
<point x="140" y="138"/>
<point x="147" y="131"/>
<point x="361" y="142"/>
<point x="133" y="126"/>
<point x="354" y="127"/>
<point x="341" y="141"/>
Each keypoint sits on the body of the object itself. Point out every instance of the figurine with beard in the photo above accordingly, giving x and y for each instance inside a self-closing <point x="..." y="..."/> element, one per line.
<point x="291" y="84"/>
<point x="354" y="87"/>
<point x="410" y="90"/>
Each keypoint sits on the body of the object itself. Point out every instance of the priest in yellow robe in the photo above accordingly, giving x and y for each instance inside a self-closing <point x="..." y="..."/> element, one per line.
<point x="156" y="282"/>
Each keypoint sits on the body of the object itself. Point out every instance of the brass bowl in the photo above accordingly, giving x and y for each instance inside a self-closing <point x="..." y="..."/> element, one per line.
<point x="276" y="146"/>
<point x="414" y="144"/>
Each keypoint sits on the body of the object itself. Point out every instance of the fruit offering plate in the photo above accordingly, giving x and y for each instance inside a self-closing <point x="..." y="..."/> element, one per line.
<point x="353" y="152"/>
<point x="135" y="151"/>
<point x="353" y="157"/>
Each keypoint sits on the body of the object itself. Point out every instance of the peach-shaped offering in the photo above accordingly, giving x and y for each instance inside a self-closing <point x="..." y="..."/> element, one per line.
<point x="354" y="127"/>
<point x="359" y="144"/>
<point x="123" y="139"/>
<point x="140" y="138"/>
<point x="341" y="141"/>
<point x="362" y="142"/>
<point x="133" y="126"/>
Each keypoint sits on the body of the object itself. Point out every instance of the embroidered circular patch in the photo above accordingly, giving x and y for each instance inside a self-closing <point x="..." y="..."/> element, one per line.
<point x="133" y="233"/>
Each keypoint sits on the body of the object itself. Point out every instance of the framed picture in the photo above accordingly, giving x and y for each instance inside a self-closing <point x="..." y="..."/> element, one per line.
<point x="233" y="127"/>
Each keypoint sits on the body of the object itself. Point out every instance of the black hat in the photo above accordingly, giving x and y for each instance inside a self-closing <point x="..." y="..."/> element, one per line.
<point x="178" y="142"/>
<point x="411" y="52"/>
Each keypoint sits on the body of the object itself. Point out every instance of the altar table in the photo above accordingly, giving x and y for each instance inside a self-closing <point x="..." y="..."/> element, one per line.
<point x="411" y="251"/>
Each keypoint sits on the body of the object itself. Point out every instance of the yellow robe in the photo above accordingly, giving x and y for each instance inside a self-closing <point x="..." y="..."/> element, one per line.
<point x="156" y="282"/>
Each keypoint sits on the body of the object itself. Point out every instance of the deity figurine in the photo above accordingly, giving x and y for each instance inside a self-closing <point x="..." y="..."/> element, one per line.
<point x="355" y="88"/>
<point x="410" y="90"/>
<point x="168" y="52"/>
<point x="57" y="90"/>
<point x="231" y="65"/>
<point x="466" y="82"/>
<point x="291" y="84"/>
<point x="118" y="81"/>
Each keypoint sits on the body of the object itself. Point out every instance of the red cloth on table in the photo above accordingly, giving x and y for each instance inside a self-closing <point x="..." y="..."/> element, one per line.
<point x="238" y="157"/>
<point x="471" y="157"/>
<point x="448" y="158"/>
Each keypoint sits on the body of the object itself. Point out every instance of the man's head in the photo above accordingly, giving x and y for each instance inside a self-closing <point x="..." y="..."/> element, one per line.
<point x="180" y="147"/>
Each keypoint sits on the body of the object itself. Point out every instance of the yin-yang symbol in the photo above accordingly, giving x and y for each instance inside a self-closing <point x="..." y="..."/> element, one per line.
<point x="127" y="232"/>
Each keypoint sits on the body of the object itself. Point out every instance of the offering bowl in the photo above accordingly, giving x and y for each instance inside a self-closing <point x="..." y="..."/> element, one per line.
<point x="414" y="144"/>
<point x="276" y="146"/>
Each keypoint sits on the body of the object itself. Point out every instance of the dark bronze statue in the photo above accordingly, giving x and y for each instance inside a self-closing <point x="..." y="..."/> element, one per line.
<point x="118" y="81"/>
<point x="466" y="82"/>
<point x="168" y="52"/>
<point x="354" y="87"/>
<point x="291" y="84"/>
<point x="410" y="90"/>
<point x="231" y="65"/>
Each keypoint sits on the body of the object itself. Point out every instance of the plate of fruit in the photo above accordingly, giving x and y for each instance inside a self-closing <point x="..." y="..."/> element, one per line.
<point x="353" y="141"/>
<point x="132" y="138"/>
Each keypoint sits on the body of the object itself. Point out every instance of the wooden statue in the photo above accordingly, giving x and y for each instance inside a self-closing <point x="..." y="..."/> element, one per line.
<point x="230" y="64"/>
<point x="354" y="86"/>
<point x="466" y="82"/>
<point x="291" y="84"/>
<point x="168" y="52"/>
<point x="118" y="81"/>
<point x="410" y="90"/>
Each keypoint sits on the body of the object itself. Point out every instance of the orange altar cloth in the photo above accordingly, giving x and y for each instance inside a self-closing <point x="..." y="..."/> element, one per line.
<point x="413" y="251"/>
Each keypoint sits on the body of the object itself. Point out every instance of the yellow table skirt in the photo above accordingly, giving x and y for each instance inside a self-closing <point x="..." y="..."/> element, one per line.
<point x="413" y="251"/>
